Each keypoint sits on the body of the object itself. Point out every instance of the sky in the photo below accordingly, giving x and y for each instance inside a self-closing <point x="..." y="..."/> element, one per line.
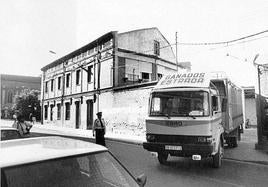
<point x="29" y="29"/>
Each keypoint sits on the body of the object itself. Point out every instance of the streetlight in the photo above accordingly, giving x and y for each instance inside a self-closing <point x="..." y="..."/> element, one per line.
<point x="258" y="70"/>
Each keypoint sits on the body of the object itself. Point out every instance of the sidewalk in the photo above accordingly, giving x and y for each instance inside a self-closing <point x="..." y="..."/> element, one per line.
<point x="246" y="149"/>
<point x="244" y="152"/>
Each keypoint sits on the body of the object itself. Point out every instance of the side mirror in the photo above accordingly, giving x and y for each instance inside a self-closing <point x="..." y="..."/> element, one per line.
<point x="141" y="180"/>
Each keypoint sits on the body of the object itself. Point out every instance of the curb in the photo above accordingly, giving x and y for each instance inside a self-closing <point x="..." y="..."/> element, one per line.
<point x="248" y="161"/>
<point x="135" y="142"/>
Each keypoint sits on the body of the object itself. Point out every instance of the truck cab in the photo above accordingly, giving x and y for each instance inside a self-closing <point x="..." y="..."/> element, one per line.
<point x="185" y="118"/>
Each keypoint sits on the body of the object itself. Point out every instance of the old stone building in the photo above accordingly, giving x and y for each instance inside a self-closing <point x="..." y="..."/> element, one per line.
<point x="12" y="85"/>
<point x="112" y="74"/>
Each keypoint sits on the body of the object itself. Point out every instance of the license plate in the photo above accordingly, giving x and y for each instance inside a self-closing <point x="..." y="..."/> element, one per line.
<point x="173" y="147"/>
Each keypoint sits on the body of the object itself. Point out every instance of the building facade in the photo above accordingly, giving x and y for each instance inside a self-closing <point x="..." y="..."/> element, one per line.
<point x="12" y="85"/>
<point x="112" y="74"/>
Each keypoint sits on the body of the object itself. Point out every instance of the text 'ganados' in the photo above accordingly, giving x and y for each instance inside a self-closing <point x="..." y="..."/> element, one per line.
<point x="183" y="78"/>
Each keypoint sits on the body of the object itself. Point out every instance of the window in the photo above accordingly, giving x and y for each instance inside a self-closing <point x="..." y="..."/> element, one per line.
<point x="52" y="84"/>
<point x="67" y="111"/>
<point x="59" y="83"/>
<point x="46" y="86"/>
<point x="51" y="112"/>
<point x="68" y="80"/>
<point x="58" y="111"/>
<point x="159" y="75"/>
<point x="78" y="77"/>
<point x="180" y="103"/>
<point x="89" y="74"/>
<point x="94" y="169"/>
<point x="156" y="48"/>
<point x="46" y="111"/>
<point x="214" y="103"/>
<point x="145" y="76"/>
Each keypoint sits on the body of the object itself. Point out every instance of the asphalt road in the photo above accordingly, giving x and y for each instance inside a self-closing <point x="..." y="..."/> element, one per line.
<point x="185" y="172"/>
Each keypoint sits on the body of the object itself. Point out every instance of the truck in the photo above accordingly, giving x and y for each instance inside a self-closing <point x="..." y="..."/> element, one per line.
<point x="194" y="114"/>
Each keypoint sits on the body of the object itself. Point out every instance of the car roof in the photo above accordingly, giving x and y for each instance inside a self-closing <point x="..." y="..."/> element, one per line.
<point x="23" y="151"/>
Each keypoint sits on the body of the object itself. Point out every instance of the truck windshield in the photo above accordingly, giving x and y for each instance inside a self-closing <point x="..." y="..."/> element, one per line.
<point x="179" y="103"/>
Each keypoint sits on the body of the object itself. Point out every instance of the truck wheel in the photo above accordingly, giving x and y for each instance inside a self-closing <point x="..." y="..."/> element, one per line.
<point x="218" y="156"/>
<point x="162" y="158"/>
<point x="234" y="142"/>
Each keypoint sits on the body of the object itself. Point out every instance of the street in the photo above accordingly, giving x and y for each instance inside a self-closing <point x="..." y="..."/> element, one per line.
<point x="185" y="172"/>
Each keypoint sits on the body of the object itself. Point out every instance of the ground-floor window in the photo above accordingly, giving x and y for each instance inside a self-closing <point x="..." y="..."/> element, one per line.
<point x="51" y="112"/>
<point x="58" y="111"/>
<point x="67" y="111"/>
<point x="46" y="111"/>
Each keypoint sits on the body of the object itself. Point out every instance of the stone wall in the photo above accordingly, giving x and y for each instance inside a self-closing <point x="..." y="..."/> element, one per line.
<point x="250" y="111"/>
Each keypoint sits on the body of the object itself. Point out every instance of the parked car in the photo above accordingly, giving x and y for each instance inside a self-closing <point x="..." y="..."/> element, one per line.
<point x="9" y="133"/>
<point x="58" y="161"/>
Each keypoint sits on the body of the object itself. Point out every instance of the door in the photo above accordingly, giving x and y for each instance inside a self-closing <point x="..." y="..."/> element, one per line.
<point x="89" y="114"/>
<point x="77" y="114"/>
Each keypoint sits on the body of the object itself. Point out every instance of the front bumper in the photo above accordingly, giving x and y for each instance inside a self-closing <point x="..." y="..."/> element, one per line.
<point x="205" y="150"/>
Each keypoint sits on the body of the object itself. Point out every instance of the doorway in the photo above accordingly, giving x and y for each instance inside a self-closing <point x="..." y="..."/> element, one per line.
<point x="89" y="114"/>
<point x="77" y="114"/>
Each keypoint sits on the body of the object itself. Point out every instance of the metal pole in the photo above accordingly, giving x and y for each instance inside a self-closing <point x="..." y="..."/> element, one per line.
<point x="259" y="81"/>
<point x="176" y="35"/>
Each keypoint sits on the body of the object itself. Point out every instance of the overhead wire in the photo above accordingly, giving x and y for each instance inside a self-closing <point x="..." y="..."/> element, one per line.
<point x="226" y="43"/>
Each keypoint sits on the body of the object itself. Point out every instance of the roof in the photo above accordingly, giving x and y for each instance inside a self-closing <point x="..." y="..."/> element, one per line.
<point x="22" y="151"/>
<point x="143" y="29"/>
<point x="78" y="51"/>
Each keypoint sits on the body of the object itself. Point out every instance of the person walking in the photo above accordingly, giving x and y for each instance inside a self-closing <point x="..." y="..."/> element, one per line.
<point x="99" y="129"/>
<point x="22" y="126"/>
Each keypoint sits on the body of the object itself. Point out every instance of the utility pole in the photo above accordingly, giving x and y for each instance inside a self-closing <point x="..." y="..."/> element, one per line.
<point x="258" y="71"/>
<point x="176" y="41"/>
<point x="259" y="81"/>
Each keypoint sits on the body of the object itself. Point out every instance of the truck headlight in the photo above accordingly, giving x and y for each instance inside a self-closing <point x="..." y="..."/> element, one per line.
<point x="150" y="137"/>
<point x="204" y="139"/>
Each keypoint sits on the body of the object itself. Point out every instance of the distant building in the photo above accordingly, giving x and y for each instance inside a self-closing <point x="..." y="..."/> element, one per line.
<point x="264" y="80"/>
<point x="12" y="85"/>
<point x="112" y="74"/>
<point x="250" y="106"/>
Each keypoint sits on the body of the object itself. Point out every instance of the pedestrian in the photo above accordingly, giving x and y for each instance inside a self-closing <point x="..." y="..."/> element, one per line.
<point x="22" y="126"/>
<point x="31" y="117"/>
<point x="99" y="129"/>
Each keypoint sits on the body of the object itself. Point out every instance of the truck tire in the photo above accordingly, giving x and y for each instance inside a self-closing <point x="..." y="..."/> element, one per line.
<point x="162" y="158"/>
<point x="217" y="158"/>
<point x="234" y="141"/>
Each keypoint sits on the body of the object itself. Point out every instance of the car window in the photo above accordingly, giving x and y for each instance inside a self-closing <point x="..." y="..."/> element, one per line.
<point x="9" y="134"/>
<point x="98" y="170"/>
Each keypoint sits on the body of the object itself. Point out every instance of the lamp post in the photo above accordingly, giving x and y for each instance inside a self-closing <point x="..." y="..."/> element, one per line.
<point x="258" y="71"/>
